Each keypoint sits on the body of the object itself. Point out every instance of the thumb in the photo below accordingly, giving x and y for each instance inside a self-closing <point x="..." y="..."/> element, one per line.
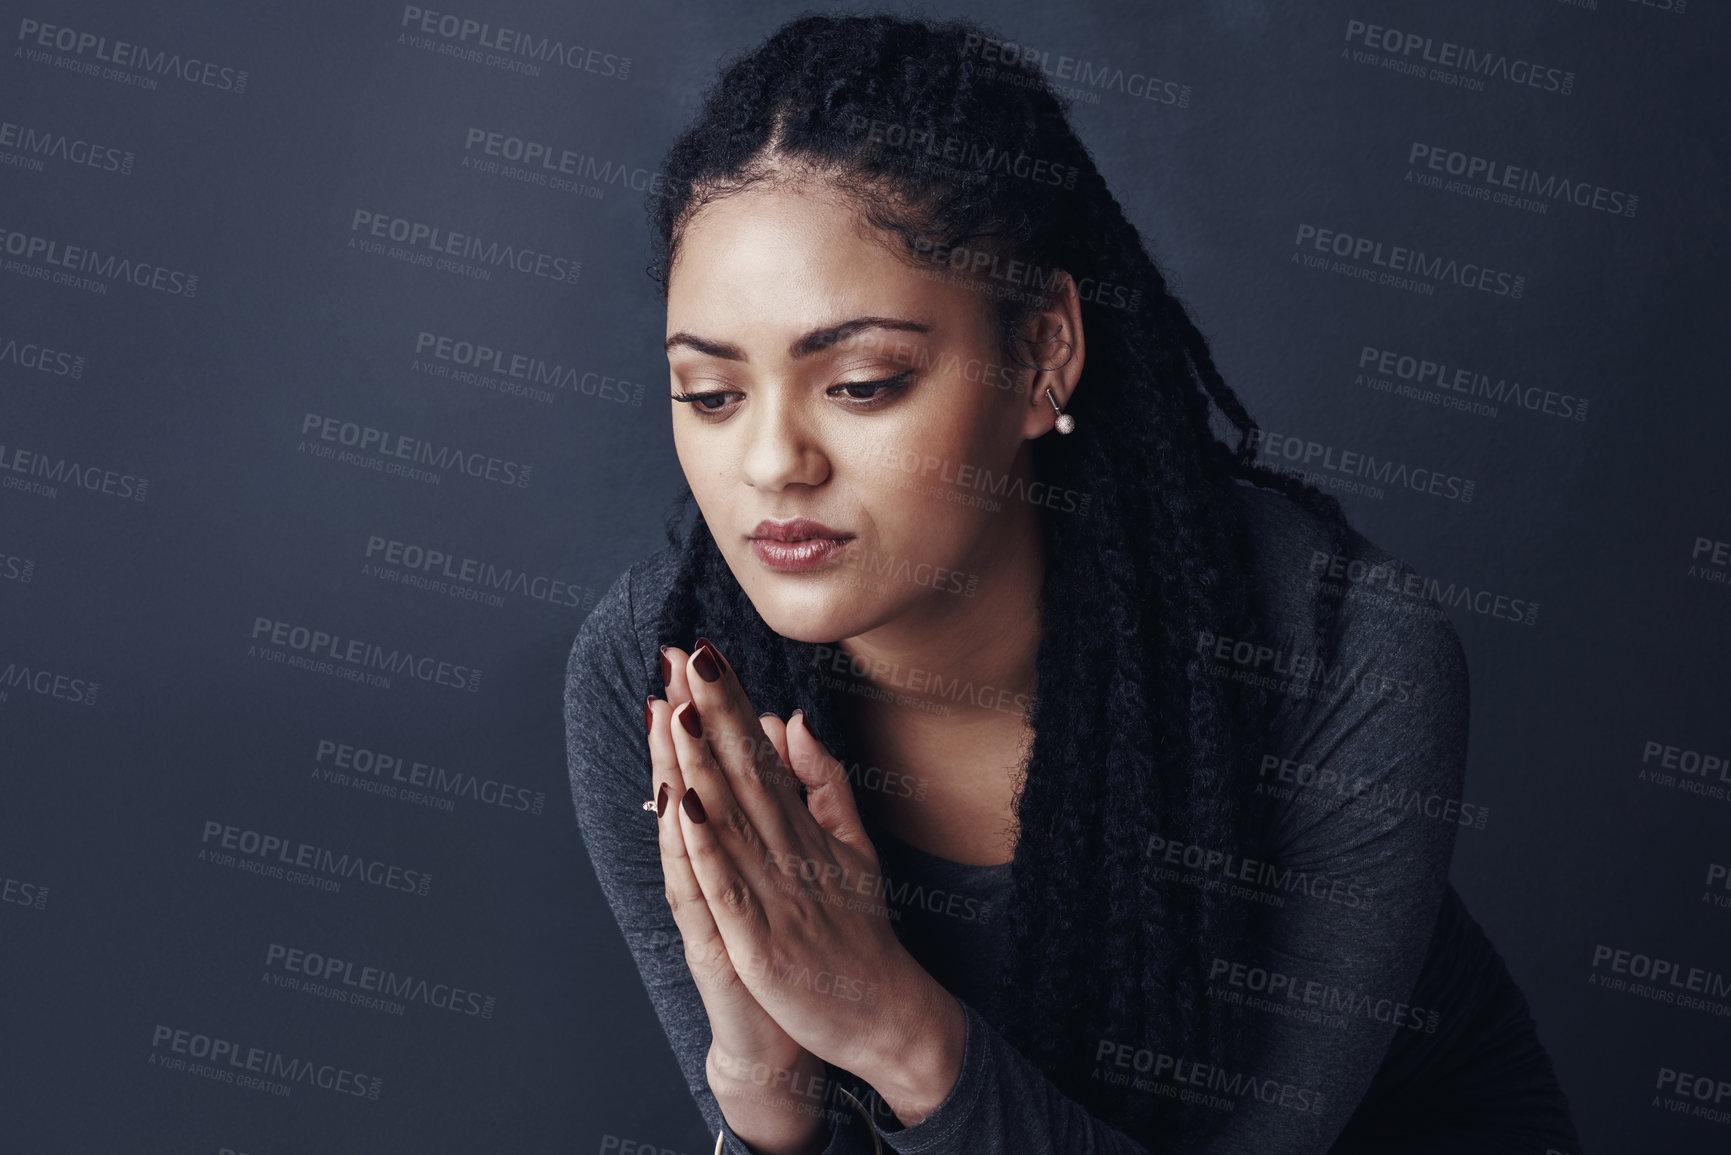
<point x="828" y="794"/>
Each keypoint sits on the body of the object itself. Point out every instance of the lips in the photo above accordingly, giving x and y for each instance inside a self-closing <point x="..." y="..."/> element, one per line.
<point x="798" y="545"/>
<point x="796" y="529"/>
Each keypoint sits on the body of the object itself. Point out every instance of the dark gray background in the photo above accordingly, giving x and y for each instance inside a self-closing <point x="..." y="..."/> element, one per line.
<point x="105" y="804"/>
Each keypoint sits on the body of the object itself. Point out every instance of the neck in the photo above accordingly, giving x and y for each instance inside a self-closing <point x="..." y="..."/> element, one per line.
<point x="958" y="663"/>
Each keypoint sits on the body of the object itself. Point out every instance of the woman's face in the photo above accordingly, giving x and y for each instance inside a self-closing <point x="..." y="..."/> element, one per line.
<point x="842" y="385"/>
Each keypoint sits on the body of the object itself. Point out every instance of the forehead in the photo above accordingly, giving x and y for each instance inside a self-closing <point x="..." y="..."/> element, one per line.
<point x="790" y="255"/>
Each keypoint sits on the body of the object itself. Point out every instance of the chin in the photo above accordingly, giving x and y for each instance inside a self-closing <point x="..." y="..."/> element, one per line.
<point x="812" y="609"/>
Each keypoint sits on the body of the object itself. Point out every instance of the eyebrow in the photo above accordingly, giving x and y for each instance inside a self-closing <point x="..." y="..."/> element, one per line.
<point x="812" y="342"/>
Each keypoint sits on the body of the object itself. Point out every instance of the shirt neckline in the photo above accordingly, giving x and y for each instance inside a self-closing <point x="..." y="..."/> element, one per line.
<point x="990" y="870"/>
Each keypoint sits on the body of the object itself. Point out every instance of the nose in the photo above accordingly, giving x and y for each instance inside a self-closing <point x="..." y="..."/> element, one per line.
<point x="784" y="445"/>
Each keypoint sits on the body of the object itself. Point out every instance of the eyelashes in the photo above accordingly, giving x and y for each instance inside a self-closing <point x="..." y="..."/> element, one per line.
<point x="690" y="398"/>
<point x="885" y="389"/>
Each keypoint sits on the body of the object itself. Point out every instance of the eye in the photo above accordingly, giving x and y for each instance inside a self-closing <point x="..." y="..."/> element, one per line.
<point x="711" y="403"/>
<point x="883" y="388"/>
<point x="702" y="399"/>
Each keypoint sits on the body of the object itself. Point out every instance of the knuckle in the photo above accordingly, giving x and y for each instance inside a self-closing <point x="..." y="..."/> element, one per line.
<point x="736" y="895"/>
<point x="705" y="856"/>
<point x="738" y="823"/>
<point x="702" y="953"/>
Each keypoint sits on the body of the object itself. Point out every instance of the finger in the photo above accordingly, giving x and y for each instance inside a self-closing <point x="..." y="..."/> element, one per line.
<point x="776" y="730"/>
<point x="684" y="896"/>
<point x="673" y="664"/>
<point x="717" y="803"/>
<point x="759" y="779"/>
<point x="828" y="794"/>
<point x="719" y="987"/>
<point x="722" y="847"/>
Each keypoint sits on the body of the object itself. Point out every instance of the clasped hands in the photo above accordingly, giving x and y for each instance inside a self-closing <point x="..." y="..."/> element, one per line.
<point x="779" y="900"/>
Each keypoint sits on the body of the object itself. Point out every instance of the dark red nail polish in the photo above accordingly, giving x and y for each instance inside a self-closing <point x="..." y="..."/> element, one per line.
<point x="703" y="661"/>
<point x="689" y="719"/>
<point x="648" y="714"/>
<point x="715" y="650"/>
<point x="661" y="801"/>
<point x="693" y="808"/>
<point x="666" y="668"/>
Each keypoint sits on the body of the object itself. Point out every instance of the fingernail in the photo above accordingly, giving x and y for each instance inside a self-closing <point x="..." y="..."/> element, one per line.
<point x="802" y="715"/>
<point x="693" y="808"/>
<point x="666" y="668"/>
<point x="703" y="661"/>
<point x="648" y="714"/>
<point x="661" y="801"/>
<point x="767" y="714"/>
<point x="714" y="649"/>
<point x="688" y="718"/>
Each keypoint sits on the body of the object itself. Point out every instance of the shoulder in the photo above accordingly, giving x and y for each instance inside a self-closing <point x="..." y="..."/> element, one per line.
<point x="614" y="653"/>
<point x="1382" y="719"/>
<point x="1391" y="637"/>
<point x="625" y="613"/>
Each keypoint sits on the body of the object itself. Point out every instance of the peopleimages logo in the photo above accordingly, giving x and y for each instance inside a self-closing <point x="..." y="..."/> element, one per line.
<point x="1680" y="768"/>
<point x="1373" y="579"/>
<point x="24" y="678"/>
<point x="1079" y="79"/>
<point x="321" y="974"/>
<point x="360" y="656"/>
<point x="269" y="853"/>
<point x="508" y="48"/>
<point x="1349" y="469"/>
<point x="33" y="145"/>
<point x="434" y="246"/>
<point x="57" y="262"/>
<point x="1437" y="381"/>
<point x="17" y="892"/>
<point x="1513" y="185"/>
<point x="16" y="569"/>
<point x="316" y="427"/>
<point x="1661" y="980"/>
<point x="359" y="763"/>
<point x="1177" y="1077"/>
<point x="1308" y="784"/>
<point x="526" y="372"/>
<point x="89" y="48"/>
<point x="42" y="474"/>
<point x="40" y="358"/>
<point x="1459" y="64"/>
<point x="557" y="167"/>
<point x="1404" y="267"/>
<point x="439" y="567"/>
<point x="1704" y="1089"/>
<point x="1264" y="988"/>
<point x="259" y="1068"/>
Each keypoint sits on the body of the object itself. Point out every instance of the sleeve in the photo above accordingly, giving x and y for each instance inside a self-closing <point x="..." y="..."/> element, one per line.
<point x="606" y="672"/>
<point x="1365" y="783"/>
<point x="1354" y="883"/>
<point x="1002" y="1104"/>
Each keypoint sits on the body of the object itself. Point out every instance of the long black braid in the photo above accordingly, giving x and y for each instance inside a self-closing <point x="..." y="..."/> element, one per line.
<point x="1141" y="740"/>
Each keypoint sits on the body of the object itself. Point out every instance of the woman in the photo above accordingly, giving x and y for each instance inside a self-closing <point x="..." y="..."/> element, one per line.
<point x="1115" y="824"/>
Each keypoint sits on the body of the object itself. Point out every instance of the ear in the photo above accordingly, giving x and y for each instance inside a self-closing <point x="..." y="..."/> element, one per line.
<point x="1051" y="337"/>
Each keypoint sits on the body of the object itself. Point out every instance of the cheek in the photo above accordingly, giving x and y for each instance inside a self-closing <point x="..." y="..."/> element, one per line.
<point x="965" y="447"/>
<point x="708" y="468"/>
<point x="924" y="505"/>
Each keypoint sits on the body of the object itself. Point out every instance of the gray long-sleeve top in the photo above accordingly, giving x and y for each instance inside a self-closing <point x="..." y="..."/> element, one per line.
<point x="1356" y="880"/>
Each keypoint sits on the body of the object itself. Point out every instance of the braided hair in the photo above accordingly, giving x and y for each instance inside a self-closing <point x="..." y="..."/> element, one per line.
<point x="1131" y="736"/>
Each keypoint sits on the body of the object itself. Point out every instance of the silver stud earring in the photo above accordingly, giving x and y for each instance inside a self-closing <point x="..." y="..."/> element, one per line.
<point x="1065" y="422"/>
